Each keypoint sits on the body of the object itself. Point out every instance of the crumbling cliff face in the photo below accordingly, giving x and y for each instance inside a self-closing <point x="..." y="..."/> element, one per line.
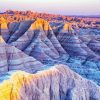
<point x="55" y="83"/>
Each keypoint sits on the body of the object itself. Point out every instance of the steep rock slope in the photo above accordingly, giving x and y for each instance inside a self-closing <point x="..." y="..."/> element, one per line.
<point x="39" y="38"/>
<point x="56" y="83"/>
<point x="82" y="57"/>
<point x="13" y="59"/>
<point x="94" y="44"/>
<point x="59" y="45"/>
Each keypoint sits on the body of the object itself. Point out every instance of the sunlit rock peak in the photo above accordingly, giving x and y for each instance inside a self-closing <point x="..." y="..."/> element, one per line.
<point x="3" y="23"/>
<point x="70" y="26"/>
<point x="67" y="27"/>
<point x="40" y="24"/>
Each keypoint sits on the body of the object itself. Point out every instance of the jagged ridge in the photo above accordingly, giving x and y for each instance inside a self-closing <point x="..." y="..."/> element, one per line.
<point x="60" y="45"/>
<point x="56" y="83"/>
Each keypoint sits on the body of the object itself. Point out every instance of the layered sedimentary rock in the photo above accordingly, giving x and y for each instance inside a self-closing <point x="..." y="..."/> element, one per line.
<point x="56" y="83"/>
<point x="13" y="59"/>
<point x="34" y="46"/>
<point x="95" y="45"/>
<point x="37" y="41"/>
<point x="80" y="52"/>
<point x="19" y="30"/>
<point x="61" y="44"/>
<point x="69" y="40"/>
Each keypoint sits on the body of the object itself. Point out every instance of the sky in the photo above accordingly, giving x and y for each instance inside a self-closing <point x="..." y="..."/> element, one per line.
<point x="66" y="7"/>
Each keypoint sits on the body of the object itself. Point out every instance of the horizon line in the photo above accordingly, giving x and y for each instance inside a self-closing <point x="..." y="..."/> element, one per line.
<point x="80" y="15"/>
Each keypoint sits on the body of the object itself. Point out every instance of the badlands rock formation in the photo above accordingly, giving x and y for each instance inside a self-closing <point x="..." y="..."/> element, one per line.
<point x="36" y="47"/>
<point x="62" y="45"/>
<point x="13" y="59"/>
<point x="56" y="83"/>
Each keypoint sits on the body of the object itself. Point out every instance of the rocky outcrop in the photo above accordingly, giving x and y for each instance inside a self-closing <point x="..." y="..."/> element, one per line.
<point x="37" y="41"/>
<point x="34" y="46"/>
<point x="60" y="43"/>
<point x="4" y="28"/>
<point x="13" y="59"/>
<point x="56" y="83"/>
